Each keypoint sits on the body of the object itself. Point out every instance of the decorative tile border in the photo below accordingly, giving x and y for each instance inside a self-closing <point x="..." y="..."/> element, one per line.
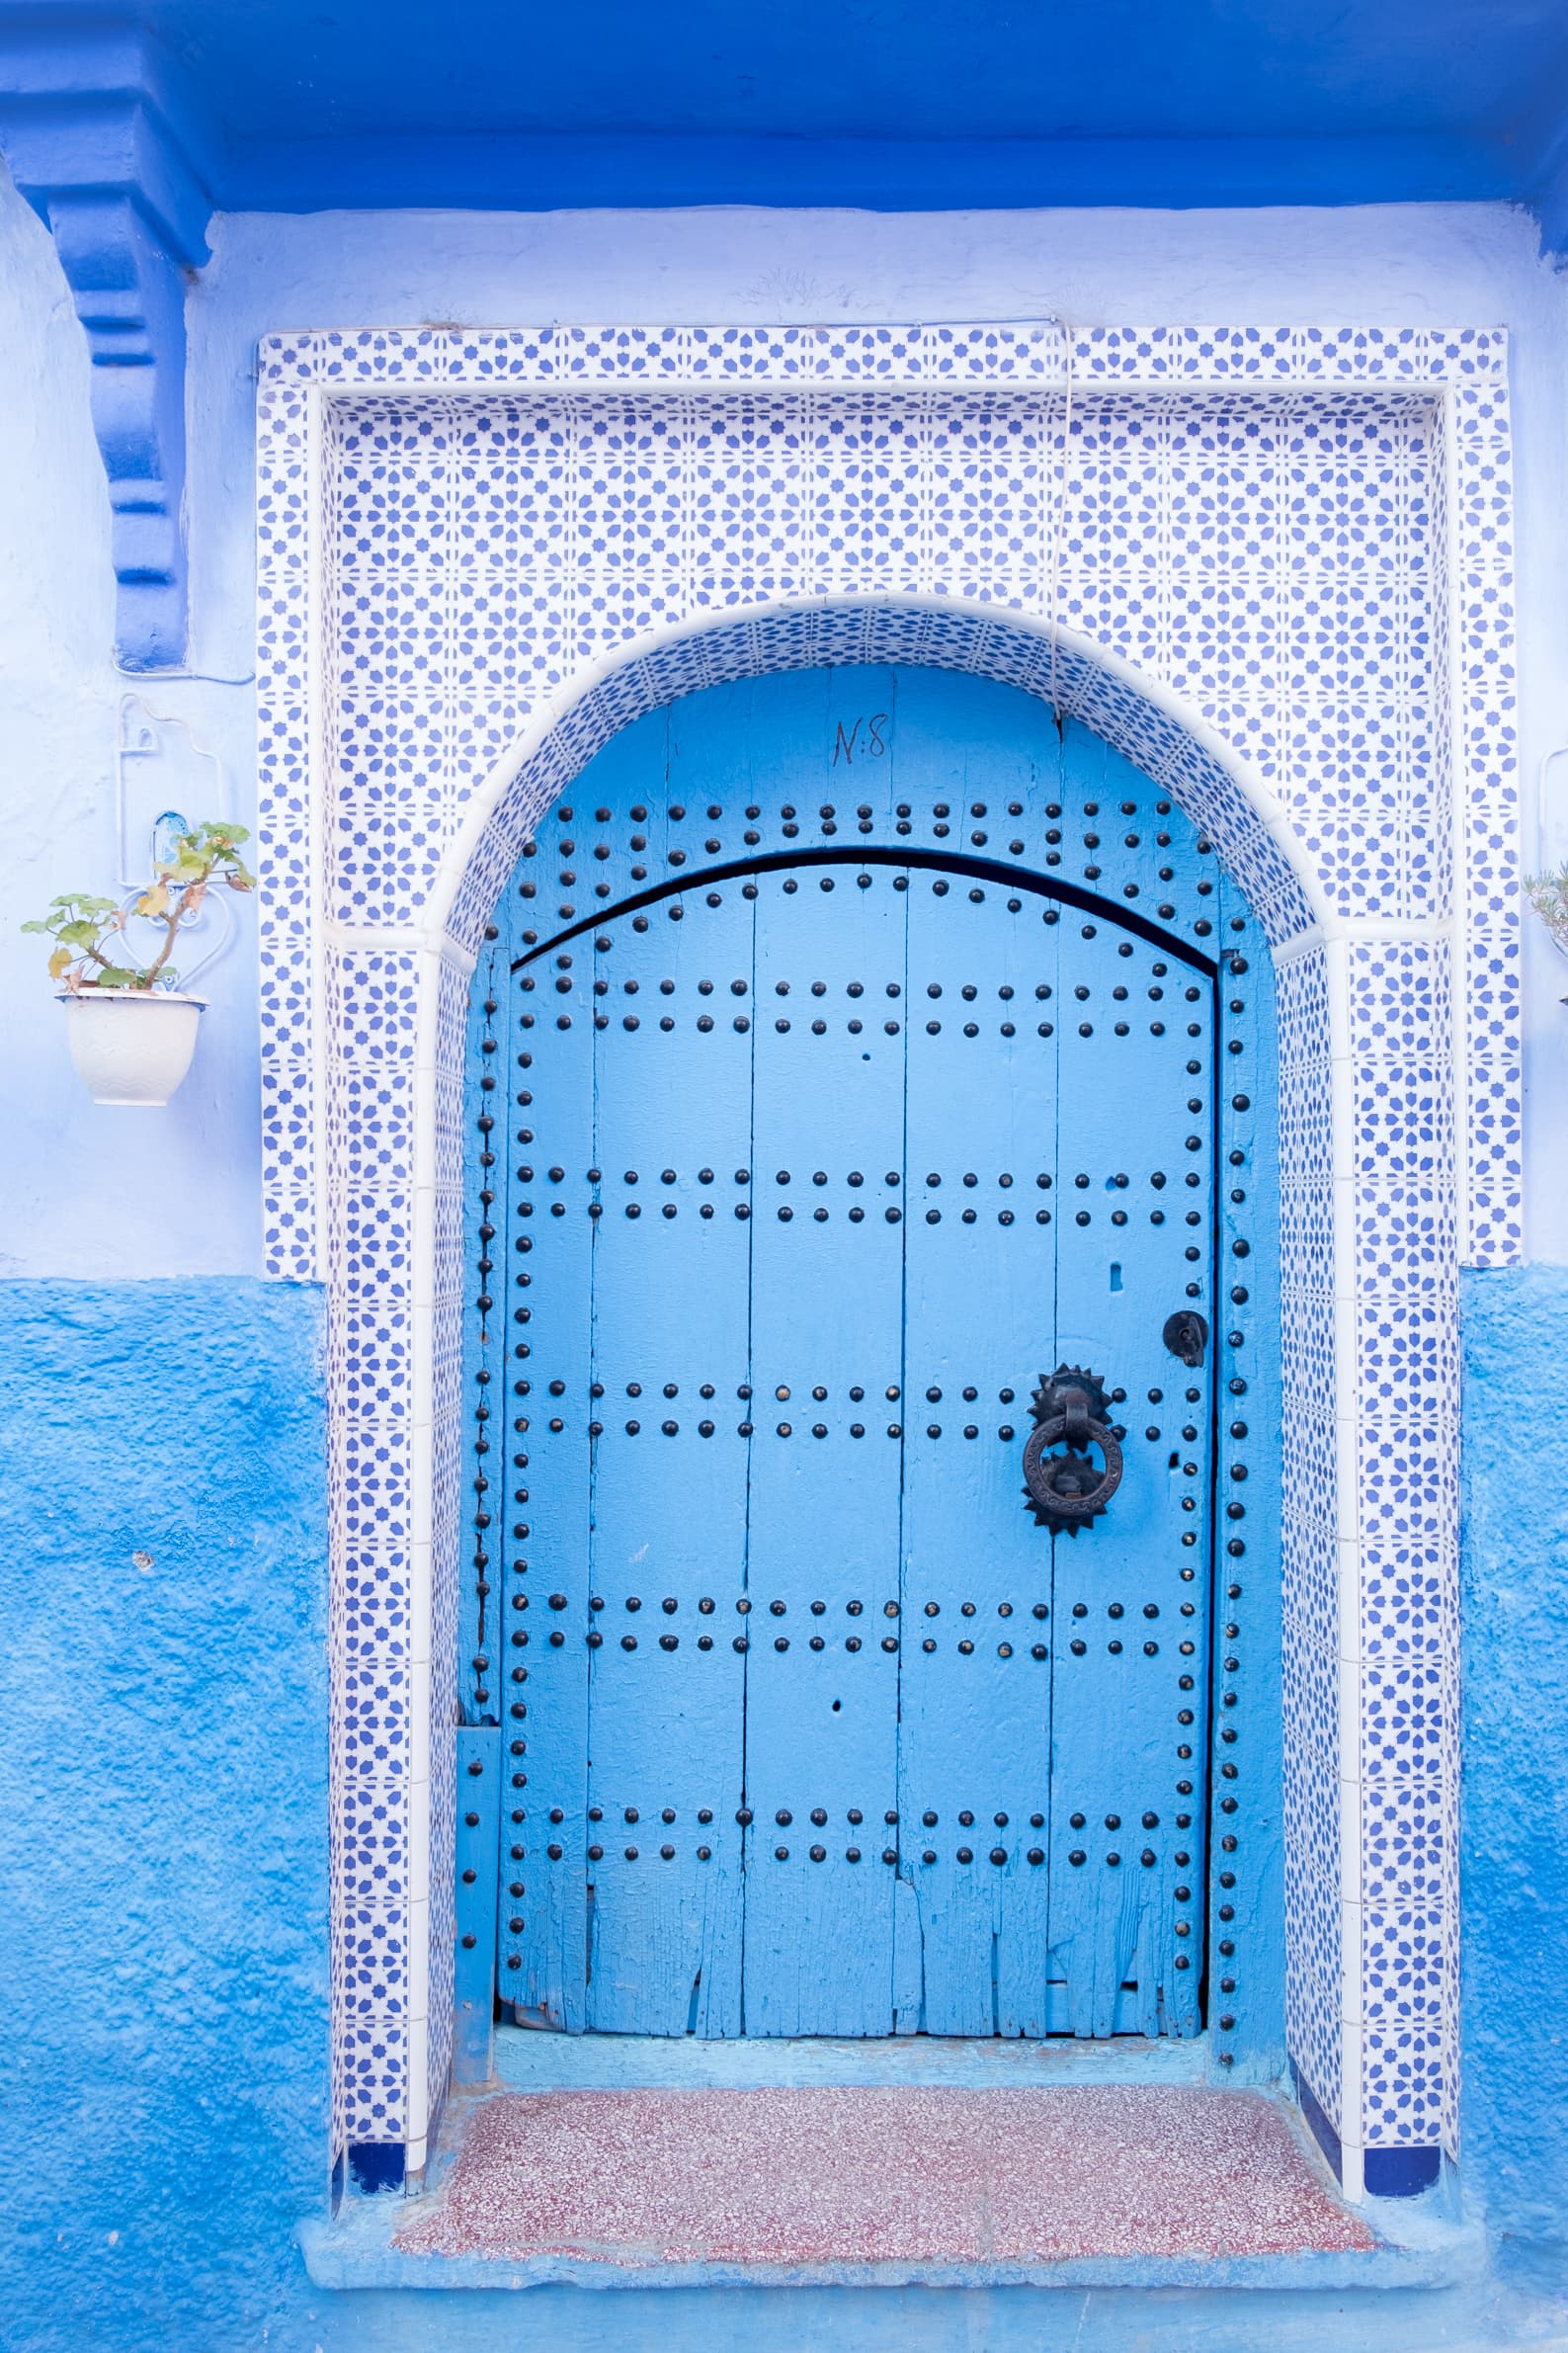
<point x="1272" y="570"/>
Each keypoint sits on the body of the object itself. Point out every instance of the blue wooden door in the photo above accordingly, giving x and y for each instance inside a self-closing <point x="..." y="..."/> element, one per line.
<point x="818" y="1160"/>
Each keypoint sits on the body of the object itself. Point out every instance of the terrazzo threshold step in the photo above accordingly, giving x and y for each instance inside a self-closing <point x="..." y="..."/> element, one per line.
<point x="993" y="2174"/>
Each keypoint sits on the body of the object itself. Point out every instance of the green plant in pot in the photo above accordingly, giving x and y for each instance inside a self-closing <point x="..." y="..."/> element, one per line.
<point x="1548" y="896"/>
<point x="131" y="1030"/>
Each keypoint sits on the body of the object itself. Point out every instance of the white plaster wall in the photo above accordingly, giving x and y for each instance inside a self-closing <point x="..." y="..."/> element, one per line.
<point x="123" y="1193"/>
<point x="85" y="1190"/>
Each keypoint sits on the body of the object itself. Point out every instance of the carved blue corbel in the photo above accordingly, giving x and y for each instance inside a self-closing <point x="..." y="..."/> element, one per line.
<point x="95" y="151"/>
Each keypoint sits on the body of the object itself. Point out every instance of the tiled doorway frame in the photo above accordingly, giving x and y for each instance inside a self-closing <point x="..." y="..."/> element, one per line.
<point x="1273" y="571"/>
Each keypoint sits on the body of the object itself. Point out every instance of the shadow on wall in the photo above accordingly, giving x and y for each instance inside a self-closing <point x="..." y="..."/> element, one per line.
<point x="163" y="1841"/>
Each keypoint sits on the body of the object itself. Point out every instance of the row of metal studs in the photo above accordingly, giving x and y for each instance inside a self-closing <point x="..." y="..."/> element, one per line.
<point x="594" y="1640"/>
<point x="1225" y="1664"/>
<point x="483" y="1303"/>
<point x="518" y="1745"/>
<point x="903" y="827"/>
<point x="674" y="908"/>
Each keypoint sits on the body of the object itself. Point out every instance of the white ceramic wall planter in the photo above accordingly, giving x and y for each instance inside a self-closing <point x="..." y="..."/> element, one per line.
<point x="131" y="1044"/>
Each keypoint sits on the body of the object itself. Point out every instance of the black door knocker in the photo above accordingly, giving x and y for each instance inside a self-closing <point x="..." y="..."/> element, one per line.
<point x="1065" y="1491"/>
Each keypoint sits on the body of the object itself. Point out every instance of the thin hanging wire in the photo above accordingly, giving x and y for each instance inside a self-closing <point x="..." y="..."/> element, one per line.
<point x="1059" y="522"/>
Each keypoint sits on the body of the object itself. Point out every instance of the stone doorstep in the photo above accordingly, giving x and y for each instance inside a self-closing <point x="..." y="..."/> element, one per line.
<point x="1117" y="2185"/>
<point x="356" y="2253"/>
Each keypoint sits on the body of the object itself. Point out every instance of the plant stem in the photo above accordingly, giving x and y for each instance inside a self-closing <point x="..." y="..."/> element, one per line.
<point x="162" y="956"/>
<point x="177" y="908"/>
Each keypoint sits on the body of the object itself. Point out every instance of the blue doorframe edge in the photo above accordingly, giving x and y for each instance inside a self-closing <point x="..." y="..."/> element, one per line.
<point x="476" y="1847"/>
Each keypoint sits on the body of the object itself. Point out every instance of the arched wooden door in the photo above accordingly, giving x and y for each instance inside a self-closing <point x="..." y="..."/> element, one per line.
<point x="815" y="1165"/>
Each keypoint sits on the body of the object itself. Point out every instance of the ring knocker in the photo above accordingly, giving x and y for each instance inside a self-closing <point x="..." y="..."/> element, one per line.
<point x="1065" y="1491"/>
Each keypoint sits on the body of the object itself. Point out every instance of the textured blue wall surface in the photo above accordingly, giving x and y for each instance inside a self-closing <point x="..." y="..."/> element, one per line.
<point x="163" y="1849"/>
<point x="163" y="1846"/>
<point x="1515" y="1789"/>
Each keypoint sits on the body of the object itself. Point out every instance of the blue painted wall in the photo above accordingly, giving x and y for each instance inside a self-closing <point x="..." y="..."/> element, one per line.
<point x="162" y="1845"/>
<point x="163" y="1748"/>
<point x="885" y="102"/>
<point x="1437" y="265"/>
<point x="87" y="1191"/>
<point x="1515" y="1791"/>
<point x="163" y="2069"/>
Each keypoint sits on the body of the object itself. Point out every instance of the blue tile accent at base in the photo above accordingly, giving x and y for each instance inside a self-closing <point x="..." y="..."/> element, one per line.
<point x="1323" y="2132"/>
<point x="1388" y="2172"/>
<point x="1400" y="2172"/>
<point x="376" y="2165"/>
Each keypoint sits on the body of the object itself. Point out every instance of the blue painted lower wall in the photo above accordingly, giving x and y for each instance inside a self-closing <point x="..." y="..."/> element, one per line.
<point x="1515" y="1801"/>
<point x="163" y="1753"/>
<point x="163" y="1743"/>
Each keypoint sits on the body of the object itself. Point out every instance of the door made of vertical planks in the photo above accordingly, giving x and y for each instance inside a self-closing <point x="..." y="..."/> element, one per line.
<point x="818" y="1162"/>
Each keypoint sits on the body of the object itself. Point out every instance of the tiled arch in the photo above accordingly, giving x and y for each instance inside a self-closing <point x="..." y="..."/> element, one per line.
<point x="476" y="565"/>
<point x="1247" y="826"/>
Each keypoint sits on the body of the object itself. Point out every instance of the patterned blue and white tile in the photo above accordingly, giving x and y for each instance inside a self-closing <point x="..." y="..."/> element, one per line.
<point x="408" y="509"/>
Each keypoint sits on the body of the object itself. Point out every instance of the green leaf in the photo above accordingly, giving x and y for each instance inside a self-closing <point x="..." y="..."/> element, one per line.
<point x="118" y="977"/>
